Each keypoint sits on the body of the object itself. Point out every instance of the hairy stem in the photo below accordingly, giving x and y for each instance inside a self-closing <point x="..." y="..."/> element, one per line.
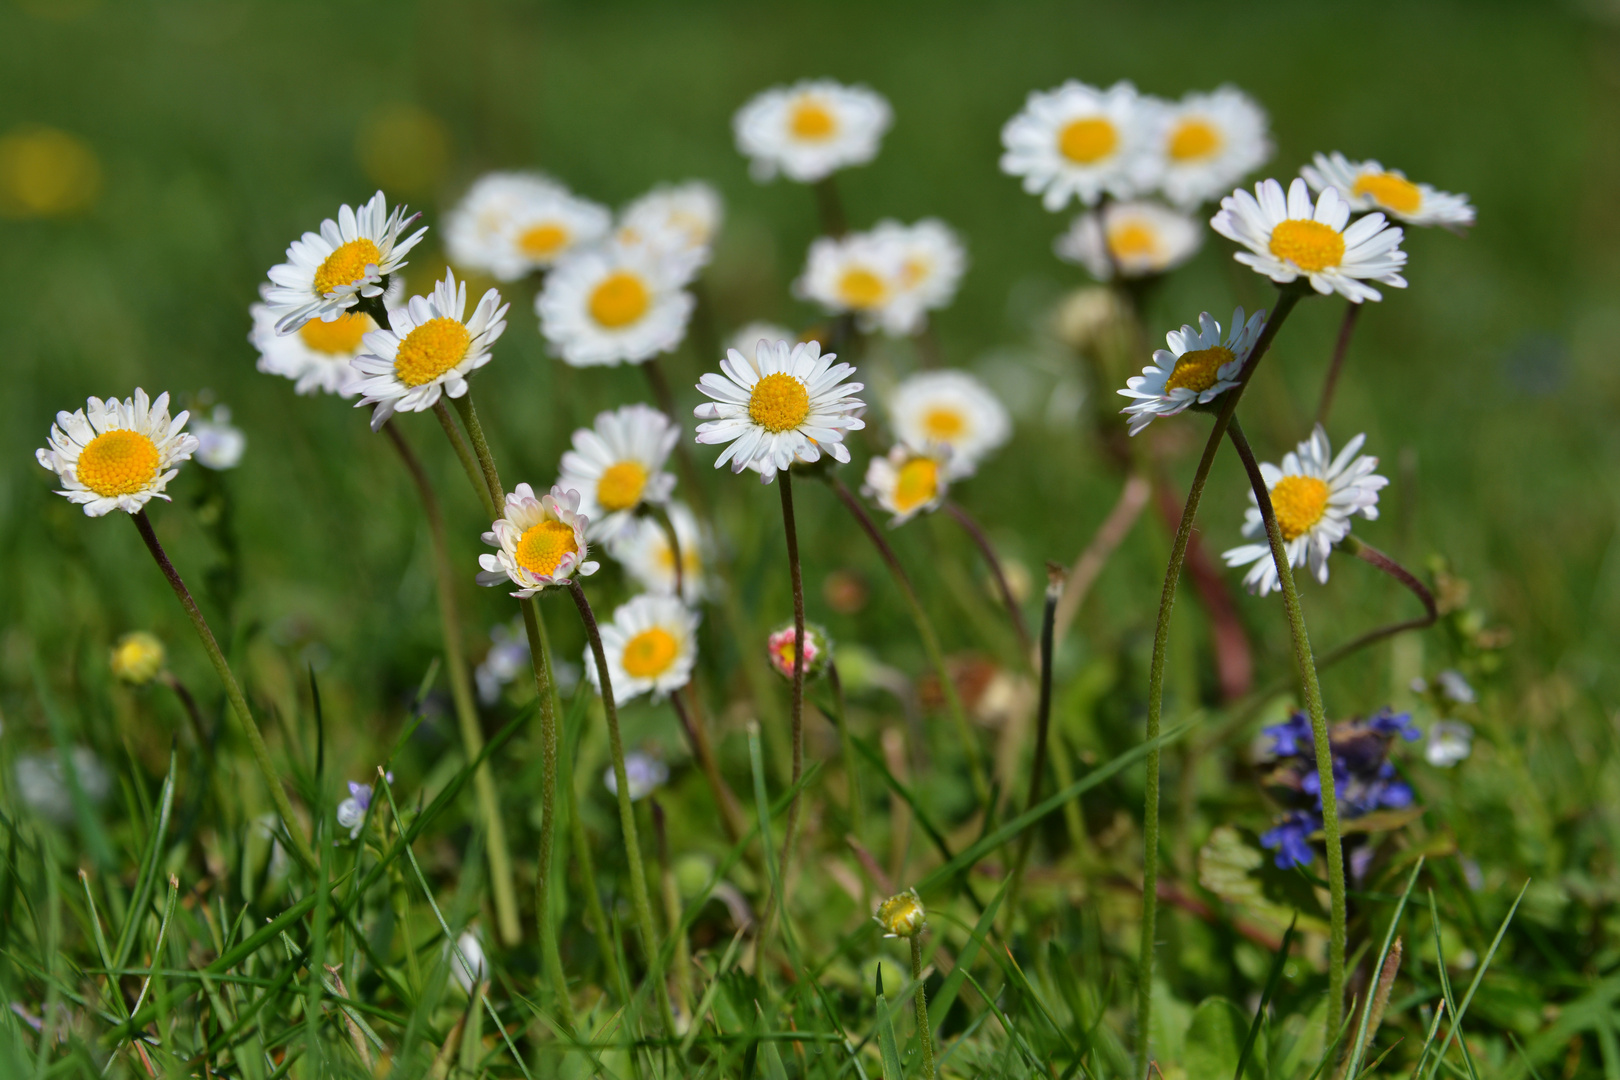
<point x="1341" y="348"/>
<point x="540" y="661"/>
<point x="925" y="1032"/>
<point x="973" y="529"/>
<point x="464" y="454"/>
<point x="1372" y="556"/>
<point x="486" y="461"/>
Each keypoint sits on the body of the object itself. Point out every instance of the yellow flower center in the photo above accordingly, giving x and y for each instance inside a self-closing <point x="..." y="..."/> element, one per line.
<point x="340" y="337"/>
<point x="137" y="657"/>
<point x="620" y="485"/>
<point x="119" y="462"/>
<point x="1088" y="140"/>
<point x="619" y="300"/>
<point x="346" y="265"/>
<point x="650" y="653"/>
<point x="431" y="350"/>
<point x="913" y="271"/>
<point x="917" y="484"/>
<point x="1194" y="139"/>
<point x="1392" y="192"/>
<point x="779" y="403"/>
<point x="1197" y="370"/>
<point x="541" y="548"/>
<point x="1309" y="245"/>
<point x="1300" y="502"/>
<point x="812" y="120"/>
<point x="944" y="423"/>
<point x="542" y="241"/>
<point x="860" y="288"/>
<point x="1133" y="240"/>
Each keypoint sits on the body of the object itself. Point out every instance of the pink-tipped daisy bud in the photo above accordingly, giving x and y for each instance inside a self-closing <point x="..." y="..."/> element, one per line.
<point x="817" y="650"/>
<point x="902" y="915"/>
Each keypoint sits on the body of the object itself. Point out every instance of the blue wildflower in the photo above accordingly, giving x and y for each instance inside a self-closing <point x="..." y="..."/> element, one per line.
<point x="1291" y="737"/>
<point x="1291" y="839"/>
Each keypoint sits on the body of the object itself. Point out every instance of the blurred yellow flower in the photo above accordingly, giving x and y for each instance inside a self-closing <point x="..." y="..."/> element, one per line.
<point x="46" y="173"/>
<point x="137" y="658"/>
<point x="404" y="148"/>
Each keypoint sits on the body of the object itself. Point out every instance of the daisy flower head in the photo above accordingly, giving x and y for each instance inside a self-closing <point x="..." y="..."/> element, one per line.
<point x="780" y="649"/>
<point x="858" y="273"/>
<point x="811" y="129"/>
<point x="1078" y="142"/>
<point x="908" y="481"/>
<point x="220" y="444"/>
<point x="328" y="272"/>
<point x="319" y="356"/>
<point x="117" y="455"/>
<point x="541" y="542"/>
<point x="137" y="658"/>
<point x="677" y="222"/>
<point x="1198" y="367"/>
<point x="1137" y="238"/>
<point x="1206" y="142"/>
<point x="651" y="645"/>
<point x="613" y="305"/>
<point x="953" y="410"/>
<point x="932" y="261"/>
<point x="1367" y="185"/>
<point x="617" y="466"/>
<point x="1289" y="237"/>
<point x="1314" y="496"/>
<point x="644" y="550"/>
<point x="790" y="405"/>
<point x="429" y="349"/>
<point x="510" y="224"/>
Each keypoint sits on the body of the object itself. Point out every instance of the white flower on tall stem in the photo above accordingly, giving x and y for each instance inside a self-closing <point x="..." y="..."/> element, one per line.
<point x="328" y="272"/>
<point x="932" y="262"/>
<point x="907" y="481"/>
<point x="811" y="129"/>
<point x="1289" y="237"/>
<point x="1367" y="185"/>
<point x="651" y="646"/>
<point x="1314" y="495"/>
<point x="1079" y="142"/>
<point x="429" y="349"/>
<point x="677" y="223"/>
<point x="791" y="404"/>
<point x="617" y="466"/>
<point x="1136" y="238"/>
<point x="644" y="551"/>
<point x="952" y="409"/>
<point x="541" y="542"/>
<point x="1206" y="142"/>
<point x="613" y="305"/>
<point x="1198" y="367"/>
<point x="858" y="273"/>
<point x="510" y="224"/>
<point x="219" y="444"/>
<point x="117" y="455"/>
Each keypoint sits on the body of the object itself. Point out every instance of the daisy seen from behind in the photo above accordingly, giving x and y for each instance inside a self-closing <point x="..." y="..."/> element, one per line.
<point x="617" y="466"/>
<point x="950" y="409"/>
<point x="1314" y="495"/>
<point x="428" y="350"/>
<point x="1291" y="236"/>
<point x="117" y="455"/>
<point x="651" y="645"/>
<point x="907" y="481"/>
<point x="1078" y="141"/>
<point x="613" y="305"/>
<point x="1367" y="185"/>
<point x="811" y="129"/>
<point x="330" y="271"/>
<point x="1199" y="366"/>
<point x="1206" y="142"/>
<point x="510" y="224"/>
<point x="541" y="542"/>
<point x="1136" y="238"/>
<point x="791" y="404"/>
<point x="677" y="223"/>
<point x="643" y="549"/>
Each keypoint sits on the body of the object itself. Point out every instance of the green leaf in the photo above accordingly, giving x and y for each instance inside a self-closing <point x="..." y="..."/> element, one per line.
<point x="1214" y="1037"/>
<point x="887" y="1046"/>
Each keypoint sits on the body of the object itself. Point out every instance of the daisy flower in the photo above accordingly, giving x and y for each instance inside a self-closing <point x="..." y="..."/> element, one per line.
<point x="932" y="261"/>
<point x="541" y="541"/>
<point x="220" y="444"/>
<point x="1289" y="237"/>
<point x="1198" y="367"/>
<point x="951" y="409"/>
<point x="617" y="466"/>
<point x="328" y="272"/>
<point x="1207" y="142"/>
<point x="1139" y="238"/>
<point x="789" y="405"/>
<point x="1314" y="495"/>
<point x="613" y="305"/>
<point x="1367" y="185"/>
<point x="429" y="349"/>
<point x="510" y="224"/>
<point x="117" y="455"/>
<point x="651" y="645"/>
<point x="318" y="356"/>
<point x="780" y="650"/>
<point x="137" y="658"/>
<point x="676" y="223"/>
<point x="643" y="549"/>
<point x="811" y="129"/>
<point x="857" y="273"/>
<point x="907" y="482"/>
<point x="747" y="340"/>
<point x="1078" y="142"/>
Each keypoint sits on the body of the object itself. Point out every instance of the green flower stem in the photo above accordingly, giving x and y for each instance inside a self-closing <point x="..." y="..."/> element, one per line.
<point x="239" y="705"/>
<point x="464" y="453"/>
<point x="976" y="532"/>
<point x="627" y="816"/>
<point x="472" y="737"/>
<point x="925" y="630"/>
<point x="540" y="661"/>
<point x="925" y="1033"/>
<point x="1312" y="691"/>
<point x="1286" y="299"/>
<point x="587" y="872"/>
<point x="1341" y="348"/>
<point x="486" y="461"/>
<point x="1043" y="723"/>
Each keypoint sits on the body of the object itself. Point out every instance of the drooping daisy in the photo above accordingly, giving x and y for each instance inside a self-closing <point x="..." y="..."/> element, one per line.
<point x="1289" y="236"/>
<point x="811" y="129"/>
<point x="617" y="466"/>
<point x="907" y="482"/>
<point x="952" y="409"/>
<point x="117" y="455"/>
<point x="676" y="222"/>
<point x="613" y="305"/>
<point x="1314" y="495"/>
<point x="509" y="224"/>
<point x="747" y="340"/>
<point x="1078" y="141"/>
<point x="1206" y="142"/>
<point x="1367" y="185"/>
<point x="651" y="645"/>
<point x="1198" y="367"/>
<point x="857" y="273"/>
<point x="220" y="444"/>
<point x="932" y="261"/>
<point x="428" y="350"/>
<point x="791" y="404"/>
<point x="326" y="273"/>
<point x="318" y="356"/>
<point x="1138" y="238"/>
<point x="644" y="551"/>
<point x="541" y="541"/>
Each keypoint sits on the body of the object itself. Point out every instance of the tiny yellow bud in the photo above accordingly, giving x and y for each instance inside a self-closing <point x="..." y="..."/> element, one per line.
<point x="137" y="658"/>
<point x="902" y="915"/>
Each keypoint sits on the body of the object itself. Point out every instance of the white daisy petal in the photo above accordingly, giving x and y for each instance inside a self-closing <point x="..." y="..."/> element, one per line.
<point x="949" y="409"/>
<point x="1367" y="185"/>
<point x="613" y="305"/>
<point x="650" y="645"/>
<point x="327" y="273"/>
<point x="541" y="542"/>
<point x="1079" y="142"/>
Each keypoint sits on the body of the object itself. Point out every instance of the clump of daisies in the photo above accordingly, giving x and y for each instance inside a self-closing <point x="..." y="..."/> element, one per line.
<point x="614" y="304"/>
<point x="510" y="224"/>
<point x="811" y="129"/>
<point x="889" y="278"/>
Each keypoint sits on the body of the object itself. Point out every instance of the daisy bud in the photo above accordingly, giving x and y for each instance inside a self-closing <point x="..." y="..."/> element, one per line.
<point x="817" y="651"/>
<point x="137" y="658"/>
<point x="902" y="915"/>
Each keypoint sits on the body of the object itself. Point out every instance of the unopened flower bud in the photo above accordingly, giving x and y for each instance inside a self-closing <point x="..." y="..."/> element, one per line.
<point x="902" y="915"/>
<point x="817" y="651"/>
